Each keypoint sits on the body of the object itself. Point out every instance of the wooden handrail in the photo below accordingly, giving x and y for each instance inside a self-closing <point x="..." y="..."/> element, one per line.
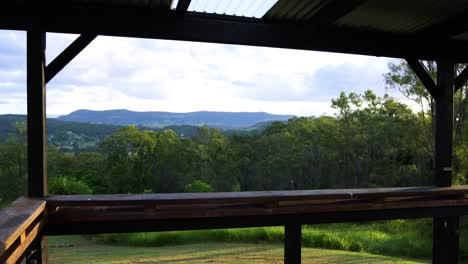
<point x="249" y="197"/>
<point x="20" y="224"/>
<point x="77" y="214"/>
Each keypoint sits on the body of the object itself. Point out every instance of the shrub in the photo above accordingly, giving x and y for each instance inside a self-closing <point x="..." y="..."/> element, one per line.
<point x="198" y="186"/>
<point x="67" y="185"/>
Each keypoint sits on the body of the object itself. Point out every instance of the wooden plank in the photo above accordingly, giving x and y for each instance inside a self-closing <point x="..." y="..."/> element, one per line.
<point x="17" y="253"/>
<point x="36" y="116"/>
<point x="258" y="197"/>
<point x="117" y="213"/>
<point x="67" y="55"/>
<point x="16" y="218"/>
<point x="67" y="224"/>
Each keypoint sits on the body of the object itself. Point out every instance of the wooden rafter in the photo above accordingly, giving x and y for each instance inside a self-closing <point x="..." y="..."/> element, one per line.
<point x="183" y="5"/>
<point x="420" y="71"/>
<point x="68" y="55"/>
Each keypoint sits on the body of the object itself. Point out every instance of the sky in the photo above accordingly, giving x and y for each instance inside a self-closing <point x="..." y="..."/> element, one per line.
<point x="176" y="76"/>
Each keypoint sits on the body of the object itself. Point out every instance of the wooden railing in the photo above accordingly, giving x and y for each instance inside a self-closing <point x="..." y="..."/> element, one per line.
<point x="91" y="214"/>
<point x="20" y="224"/>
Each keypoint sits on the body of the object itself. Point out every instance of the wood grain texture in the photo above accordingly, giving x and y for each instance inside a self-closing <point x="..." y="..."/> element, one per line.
<point x="159" y="212"/>
<point x="250" y="197"/>
<point x="16" y="218"/>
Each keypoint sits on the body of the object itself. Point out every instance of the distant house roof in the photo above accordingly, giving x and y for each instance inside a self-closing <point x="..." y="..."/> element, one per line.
<point x="423" y="29"/>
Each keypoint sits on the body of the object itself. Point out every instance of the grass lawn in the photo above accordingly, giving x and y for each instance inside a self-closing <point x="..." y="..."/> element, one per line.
<point x="86" y="251"/>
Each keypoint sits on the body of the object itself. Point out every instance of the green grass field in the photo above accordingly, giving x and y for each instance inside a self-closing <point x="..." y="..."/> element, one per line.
<point x="80" y="250"/>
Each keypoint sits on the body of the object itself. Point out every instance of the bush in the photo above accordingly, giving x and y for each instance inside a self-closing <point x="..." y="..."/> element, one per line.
<point x="63" y="185"/>
<point x="198" y="186"/>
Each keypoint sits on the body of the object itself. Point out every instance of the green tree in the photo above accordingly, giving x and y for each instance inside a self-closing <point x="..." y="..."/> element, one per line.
<point x="198" y="186"/>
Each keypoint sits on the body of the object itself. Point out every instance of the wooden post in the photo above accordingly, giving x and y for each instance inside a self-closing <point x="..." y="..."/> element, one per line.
<point x="37" y="165"/>
<point x="445" y="243"/>
<point x="292" y="244"/>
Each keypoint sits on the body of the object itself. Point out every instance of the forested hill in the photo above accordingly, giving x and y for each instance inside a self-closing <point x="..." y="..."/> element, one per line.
<point x="66" y="135"/>
<point x="77" y="136"/>
<point x="224" y="120"/>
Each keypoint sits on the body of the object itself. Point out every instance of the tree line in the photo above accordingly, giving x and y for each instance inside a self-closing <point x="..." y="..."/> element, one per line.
<point x="372" y="142"/>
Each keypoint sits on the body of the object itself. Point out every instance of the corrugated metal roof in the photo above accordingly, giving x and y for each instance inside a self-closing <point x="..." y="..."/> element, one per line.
<point x="295" y="10"/>
<point x="243" y="8"/>
<point x="401" y="16"/>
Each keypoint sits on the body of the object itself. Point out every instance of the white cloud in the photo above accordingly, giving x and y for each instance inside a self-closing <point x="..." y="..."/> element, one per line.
<point x="185" y="76"/>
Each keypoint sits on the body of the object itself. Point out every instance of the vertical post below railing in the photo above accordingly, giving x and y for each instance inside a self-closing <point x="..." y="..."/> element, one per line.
<point x="292" y="244"/>
<point x="36" y="110"/>
<point x="445" y="243"/>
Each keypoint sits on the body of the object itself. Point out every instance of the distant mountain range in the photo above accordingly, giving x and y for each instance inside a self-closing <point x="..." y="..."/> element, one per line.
<point x="223" y="120"/>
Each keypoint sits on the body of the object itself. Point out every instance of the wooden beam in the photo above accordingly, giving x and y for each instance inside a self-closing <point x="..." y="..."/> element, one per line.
<point x="68" y="55"/>
<point x="292" y="243"/>
<point x="164" y="212"/>
<point x="272" y="197"/>
<point x="420" y="71"/>
<point x="36" y="115"/>
<point x="461" y="79"/>
<point x="445" y="229"/>
<point x="148" y="23"/>
<point x="183" y="5"/>
<point x="334" y="10"/>
<point x="79" y="221"/>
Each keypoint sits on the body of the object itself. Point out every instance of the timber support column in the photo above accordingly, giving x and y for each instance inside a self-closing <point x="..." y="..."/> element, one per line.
<point x="37" y="165"/>
<point x="292" y="244"/>
<point x="445" y="243"/>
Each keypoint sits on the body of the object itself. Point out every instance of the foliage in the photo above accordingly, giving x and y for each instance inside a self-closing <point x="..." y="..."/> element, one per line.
<point x="198" y="186"/>
<point x="65" y="185"/>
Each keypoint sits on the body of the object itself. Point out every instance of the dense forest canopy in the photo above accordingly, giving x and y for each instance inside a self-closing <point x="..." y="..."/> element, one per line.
<point x="372" y="142"/>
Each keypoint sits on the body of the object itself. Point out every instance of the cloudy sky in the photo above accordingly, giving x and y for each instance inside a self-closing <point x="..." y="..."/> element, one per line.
<point x="157" y="75"/>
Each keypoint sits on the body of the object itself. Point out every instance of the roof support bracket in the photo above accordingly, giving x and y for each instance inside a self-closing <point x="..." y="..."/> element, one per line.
<point x="67" y="55"/>
<point x="182" y="6"/>
<point x="461" y="79"/>
<point x="424" y="76"/>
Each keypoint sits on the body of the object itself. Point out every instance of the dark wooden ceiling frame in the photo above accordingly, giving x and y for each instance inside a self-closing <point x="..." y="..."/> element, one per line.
<point x="67" y="55"/>
<point x="148" y="23"/>
<point x="420" y="70"/>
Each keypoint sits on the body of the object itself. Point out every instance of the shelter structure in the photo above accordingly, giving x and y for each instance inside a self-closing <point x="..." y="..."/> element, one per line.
<point x="413" y="30"/>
